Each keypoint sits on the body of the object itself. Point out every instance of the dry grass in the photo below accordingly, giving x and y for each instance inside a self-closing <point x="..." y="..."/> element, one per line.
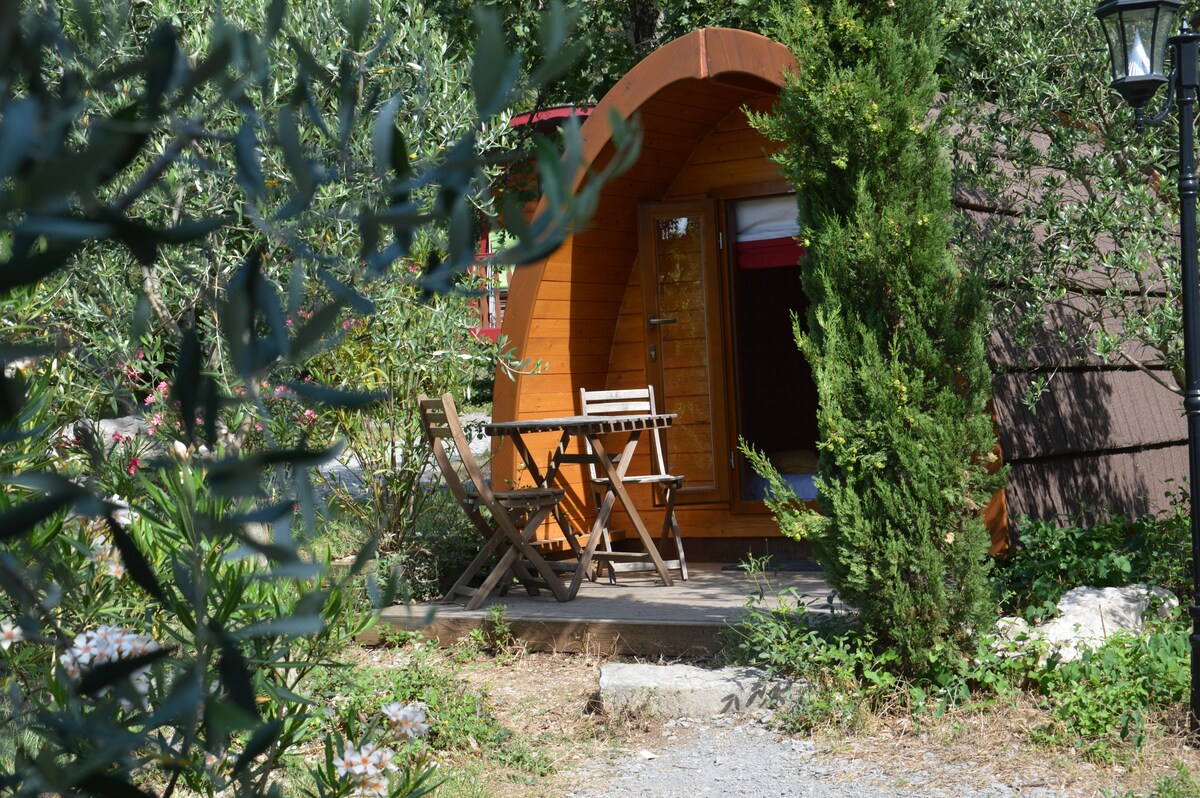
<point x="992" y="745"/>
<point x="549" y="700"/>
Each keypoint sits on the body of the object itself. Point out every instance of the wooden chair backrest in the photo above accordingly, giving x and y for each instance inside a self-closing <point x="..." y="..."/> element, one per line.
<point x="627" y="402"/>
<point x="439" y="418"/>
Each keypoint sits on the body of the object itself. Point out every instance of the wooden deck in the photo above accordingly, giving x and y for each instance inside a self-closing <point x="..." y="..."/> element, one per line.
<point x="636" y="617"/>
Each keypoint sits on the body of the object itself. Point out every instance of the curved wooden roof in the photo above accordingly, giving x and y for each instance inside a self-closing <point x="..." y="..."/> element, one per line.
<point x="681" y="93"/>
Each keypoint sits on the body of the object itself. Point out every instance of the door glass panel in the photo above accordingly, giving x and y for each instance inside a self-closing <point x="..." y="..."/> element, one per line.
<point x="679" y="250"/>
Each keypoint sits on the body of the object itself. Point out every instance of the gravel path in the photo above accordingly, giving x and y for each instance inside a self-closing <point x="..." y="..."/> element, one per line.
<point x="744" y="758"/>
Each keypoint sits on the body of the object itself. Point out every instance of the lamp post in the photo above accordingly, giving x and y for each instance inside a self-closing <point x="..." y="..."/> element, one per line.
<point x="1138" y="34"/>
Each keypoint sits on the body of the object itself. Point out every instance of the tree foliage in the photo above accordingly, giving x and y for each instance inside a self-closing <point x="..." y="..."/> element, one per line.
<point x="1079" y="255"/>
<point x="233" y="187"/>
<point x="895" y="331"/>
<point x="613" y="36"/>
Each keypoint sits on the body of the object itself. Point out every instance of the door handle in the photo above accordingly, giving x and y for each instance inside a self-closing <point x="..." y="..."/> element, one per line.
<point x="654" y="321"/>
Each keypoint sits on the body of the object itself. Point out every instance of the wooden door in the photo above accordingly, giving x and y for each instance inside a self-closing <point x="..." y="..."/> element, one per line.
<point x="680" y="275"/>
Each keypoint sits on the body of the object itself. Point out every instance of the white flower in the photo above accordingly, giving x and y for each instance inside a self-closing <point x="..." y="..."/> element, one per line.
<point x="383" y="759"/>
<point x="106" y="556"/>
<point x="108" y="644"/>
<point x="367" y="767"/>
<point x="84" y="649"/>
<point x="121" y="512"/>
<point x="10" y="633"/>
<point x="179" y="449"/>
<point x="373" y="785"/>
<point x="70" y="665"/>
<point x="409" y="721"/>
<point x="358" y="762"/>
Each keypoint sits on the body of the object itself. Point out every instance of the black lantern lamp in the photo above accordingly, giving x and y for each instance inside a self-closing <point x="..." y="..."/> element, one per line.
<point x="1137" y="32"/>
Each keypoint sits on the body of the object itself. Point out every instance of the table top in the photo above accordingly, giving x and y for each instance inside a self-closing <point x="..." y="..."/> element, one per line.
<point x="581" y="425"/>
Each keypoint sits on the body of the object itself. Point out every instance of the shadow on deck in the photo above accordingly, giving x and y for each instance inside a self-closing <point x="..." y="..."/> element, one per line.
<point x="636" y="617"/>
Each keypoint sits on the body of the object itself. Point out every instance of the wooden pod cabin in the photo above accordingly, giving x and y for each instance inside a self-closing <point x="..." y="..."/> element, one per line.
<point x="685" y="279"/>
<point x="655" y="291"/>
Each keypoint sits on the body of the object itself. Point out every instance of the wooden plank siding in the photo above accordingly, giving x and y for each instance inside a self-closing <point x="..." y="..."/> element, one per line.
<point x="1104" y="437"/>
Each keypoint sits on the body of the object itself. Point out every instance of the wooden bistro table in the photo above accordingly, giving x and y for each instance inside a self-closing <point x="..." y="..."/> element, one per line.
<point x="592" y="429"/>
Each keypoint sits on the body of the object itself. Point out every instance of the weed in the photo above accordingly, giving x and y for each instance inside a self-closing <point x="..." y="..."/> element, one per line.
<point x="844" y="679"/>
<point x="1106" y="694"/>
<point x="1097" y="704"/>
<point x="494" y="636"/>
<point x="1052" y="558"/>
<point x="1181" y="784"/>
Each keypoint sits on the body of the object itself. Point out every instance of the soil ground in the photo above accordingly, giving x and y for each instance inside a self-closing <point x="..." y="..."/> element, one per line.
<point x="552" y="699"/>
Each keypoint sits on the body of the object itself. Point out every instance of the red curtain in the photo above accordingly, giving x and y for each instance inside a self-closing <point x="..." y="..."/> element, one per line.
<point x="770" y="253"/>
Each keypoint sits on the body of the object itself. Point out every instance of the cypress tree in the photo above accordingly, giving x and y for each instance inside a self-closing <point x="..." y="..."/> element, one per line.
<point x="895" y="330"/>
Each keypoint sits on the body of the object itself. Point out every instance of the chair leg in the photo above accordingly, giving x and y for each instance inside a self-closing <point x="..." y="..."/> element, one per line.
<point x="670" y="522"/>
<point x="489" y="583"/>
<point x="460" y="587"/>
<point x="522" y="546"/>
<point x="612" y="572"/>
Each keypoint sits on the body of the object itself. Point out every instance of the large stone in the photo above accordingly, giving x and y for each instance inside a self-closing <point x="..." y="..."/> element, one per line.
<point x="1087" y="616"/>
<point x="111" y="432"/>
<point x="685" y="691"/>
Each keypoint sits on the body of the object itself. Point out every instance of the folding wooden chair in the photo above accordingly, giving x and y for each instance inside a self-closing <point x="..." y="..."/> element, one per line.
<point x="635" y="401"/>
<point x="515" y="514"/>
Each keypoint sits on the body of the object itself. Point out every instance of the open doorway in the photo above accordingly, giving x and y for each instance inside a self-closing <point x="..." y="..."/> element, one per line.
<point x="774" y="391"/>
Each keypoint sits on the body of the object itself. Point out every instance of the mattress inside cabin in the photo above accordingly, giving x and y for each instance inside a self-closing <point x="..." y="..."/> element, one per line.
<point x="798" y="467"/>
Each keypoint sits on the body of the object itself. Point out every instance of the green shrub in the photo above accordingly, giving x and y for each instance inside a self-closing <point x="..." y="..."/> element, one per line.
<point x="845" y="678"/>
<point x="438" y="550"/>
<point x="895" y="329"/>
<point x="1099" y="704"/>
<point x="1052" y="558"/>
<point x="1107" y="694"/>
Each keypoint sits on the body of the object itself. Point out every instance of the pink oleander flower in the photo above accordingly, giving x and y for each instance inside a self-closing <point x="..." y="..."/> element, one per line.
<point x="134" y="465"/>
<point x="162" y="388"/>
<point x="150" y="399"/>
